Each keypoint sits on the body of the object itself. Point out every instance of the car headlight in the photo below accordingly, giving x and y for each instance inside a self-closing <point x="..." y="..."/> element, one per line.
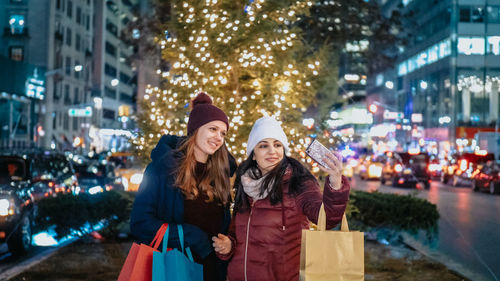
<point x="6" y="207"/>
<point x="374" y="171"/>
<point x="96" y="189"/>
<point x="136" y="178"/>
<point x="125" y="183"/>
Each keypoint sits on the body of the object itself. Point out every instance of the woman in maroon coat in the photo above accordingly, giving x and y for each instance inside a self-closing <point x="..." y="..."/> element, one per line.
<point x="276" y="197"/>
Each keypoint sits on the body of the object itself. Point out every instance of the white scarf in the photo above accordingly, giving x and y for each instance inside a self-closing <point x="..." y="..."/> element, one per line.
<point x="252" y="187"/>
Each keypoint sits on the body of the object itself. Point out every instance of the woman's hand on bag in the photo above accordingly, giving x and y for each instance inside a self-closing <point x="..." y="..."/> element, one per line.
<point x="334" y="170"/>
<point x="222" y="244"/>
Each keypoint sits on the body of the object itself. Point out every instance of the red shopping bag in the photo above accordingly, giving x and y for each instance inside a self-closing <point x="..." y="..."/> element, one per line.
<point x="139" y="263"/>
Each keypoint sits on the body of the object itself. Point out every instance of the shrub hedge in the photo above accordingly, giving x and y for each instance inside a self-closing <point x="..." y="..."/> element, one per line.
<point x="77" y="214"/>
<point x="365" y="210"/>
<point x="399" y="212"/>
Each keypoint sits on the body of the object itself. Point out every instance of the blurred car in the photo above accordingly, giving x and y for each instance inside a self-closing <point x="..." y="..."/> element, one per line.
<point x="371" y="168"/>
<point x="55" y="170"/>
<point x="405" y="169"/>
<point x="96" y="176"/>
<point x="348" y="167"/>
<point x="17" y="203"/>
<point x="391" y="166"/>
<point x="461" y="168"/>
<point x="435" y="168"/>
<point x="487" y="178"/>
<point x="128" y="168"/>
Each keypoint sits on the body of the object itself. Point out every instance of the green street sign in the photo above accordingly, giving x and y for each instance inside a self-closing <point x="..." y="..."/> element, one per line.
<point x="80" y="112"/>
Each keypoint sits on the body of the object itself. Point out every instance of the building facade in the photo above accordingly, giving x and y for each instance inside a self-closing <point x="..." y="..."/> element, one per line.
<point x="114" y="75"/>
<point x="88" y="84"/>
<point x="448" y="73"/>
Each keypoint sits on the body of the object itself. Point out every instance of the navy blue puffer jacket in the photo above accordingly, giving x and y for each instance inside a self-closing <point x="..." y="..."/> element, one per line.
<point x="158" y="201"/>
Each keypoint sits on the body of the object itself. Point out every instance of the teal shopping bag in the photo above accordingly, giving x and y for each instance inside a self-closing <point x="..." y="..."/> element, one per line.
<point x="174" y="265"/>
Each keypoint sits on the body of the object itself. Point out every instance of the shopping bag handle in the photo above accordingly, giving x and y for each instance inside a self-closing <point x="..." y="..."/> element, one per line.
<point x="180" y="231"/>
<point x="322" y="220"/>
<point x="159" y="236"/>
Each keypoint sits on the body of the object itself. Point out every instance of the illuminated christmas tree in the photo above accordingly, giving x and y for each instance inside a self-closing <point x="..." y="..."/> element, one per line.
<point x="248" y="56"/>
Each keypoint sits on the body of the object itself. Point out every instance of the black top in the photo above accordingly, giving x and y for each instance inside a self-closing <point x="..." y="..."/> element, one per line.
<point x="209" y="217"/>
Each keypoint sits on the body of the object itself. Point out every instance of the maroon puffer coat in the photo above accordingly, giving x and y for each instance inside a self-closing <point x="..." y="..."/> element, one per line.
<point x="266" y="240"/>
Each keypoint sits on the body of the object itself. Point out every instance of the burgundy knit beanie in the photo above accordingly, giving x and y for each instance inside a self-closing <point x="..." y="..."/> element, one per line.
<point x="203" y="112"/>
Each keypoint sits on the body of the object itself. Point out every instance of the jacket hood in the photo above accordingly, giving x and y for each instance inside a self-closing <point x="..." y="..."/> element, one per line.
<point x="166" y="150"/>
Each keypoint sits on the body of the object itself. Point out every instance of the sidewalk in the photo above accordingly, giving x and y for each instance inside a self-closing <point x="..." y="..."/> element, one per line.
<point x="94" y="260"/>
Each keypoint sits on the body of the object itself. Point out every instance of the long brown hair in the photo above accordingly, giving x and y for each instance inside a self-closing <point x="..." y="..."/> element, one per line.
<point x="215" y="182"/>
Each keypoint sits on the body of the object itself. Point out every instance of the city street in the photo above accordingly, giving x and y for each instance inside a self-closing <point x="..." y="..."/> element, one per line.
<point x="468" y="239"/>
<point x="11" y="265"/>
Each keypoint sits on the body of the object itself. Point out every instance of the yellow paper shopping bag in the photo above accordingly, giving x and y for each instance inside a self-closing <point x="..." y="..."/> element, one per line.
<point x="332" y="255"/>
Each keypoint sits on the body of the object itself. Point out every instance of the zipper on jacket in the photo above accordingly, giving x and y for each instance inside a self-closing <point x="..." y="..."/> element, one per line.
<point x="246" y="244"/>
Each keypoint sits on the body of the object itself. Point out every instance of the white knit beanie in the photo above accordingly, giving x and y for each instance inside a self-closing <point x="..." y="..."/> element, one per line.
<point x="266" y="127"/>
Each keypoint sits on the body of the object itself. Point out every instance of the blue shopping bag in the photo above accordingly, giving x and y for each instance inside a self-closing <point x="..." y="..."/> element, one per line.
<point x="174" y="265"/>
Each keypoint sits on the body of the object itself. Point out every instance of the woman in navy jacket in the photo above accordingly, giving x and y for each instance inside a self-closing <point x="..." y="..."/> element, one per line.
<point x="187" y="182"/>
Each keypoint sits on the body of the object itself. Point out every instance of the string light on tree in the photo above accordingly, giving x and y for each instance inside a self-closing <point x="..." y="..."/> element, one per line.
<point x="245" y="54"/>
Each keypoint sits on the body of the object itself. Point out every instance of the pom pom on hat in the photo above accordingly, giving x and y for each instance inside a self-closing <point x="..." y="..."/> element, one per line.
<point x="201" y="98"/>
<point x="203" y="112"/>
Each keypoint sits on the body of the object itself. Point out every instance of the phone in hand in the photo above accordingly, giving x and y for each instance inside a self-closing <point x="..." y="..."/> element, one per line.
<point x="317" y="151"/>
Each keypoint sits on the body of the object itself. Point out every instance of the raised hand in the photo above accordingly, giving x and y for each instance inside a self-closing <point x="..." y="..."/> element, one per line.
<point x="334" y="170"/>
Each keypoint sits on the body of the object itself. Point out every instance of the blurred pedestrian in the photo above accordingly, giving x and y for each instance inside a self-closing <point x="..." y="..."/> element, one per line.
<point x="187" y="182"/>
<point x="276" y="197"/>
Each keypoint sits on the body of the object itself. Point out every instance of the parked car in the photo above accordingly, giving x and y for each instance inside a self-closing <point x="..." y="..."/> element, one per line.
<point x="55" y="170"/>
<point x="25" y="178"/>
<point x="17" y="203"/>
<point x="128" y="168"/>
<point x="348" y="167"/>
<point x="96" y="176"/>
<point x="487" y="178"/>
<point x="403" y="169"/>
<point x="371" y="168"/>
<point x="435" y="168"/>
<point x="461" y="167"/>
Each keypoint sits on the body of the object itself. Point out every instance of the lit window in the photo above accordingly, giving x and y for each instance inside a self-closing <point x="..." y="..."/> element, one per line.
<point x="16" y="53"/>
<point x="477" y="14"/>
<point x="428" y="56"/>
<point x="406" y="2"/>
<point x="402" y="69"/>
<point x="471" y="45"/>
<point x="493" y="14"/>
<point x="494" y="45"/>
<point x="16" y="23"/>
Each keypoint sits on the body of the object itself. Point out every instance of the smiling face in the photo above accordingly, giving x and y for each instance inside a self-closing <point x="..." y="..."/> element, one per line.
<point x="209" y="138"/>
<point x="268" y="153"/>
